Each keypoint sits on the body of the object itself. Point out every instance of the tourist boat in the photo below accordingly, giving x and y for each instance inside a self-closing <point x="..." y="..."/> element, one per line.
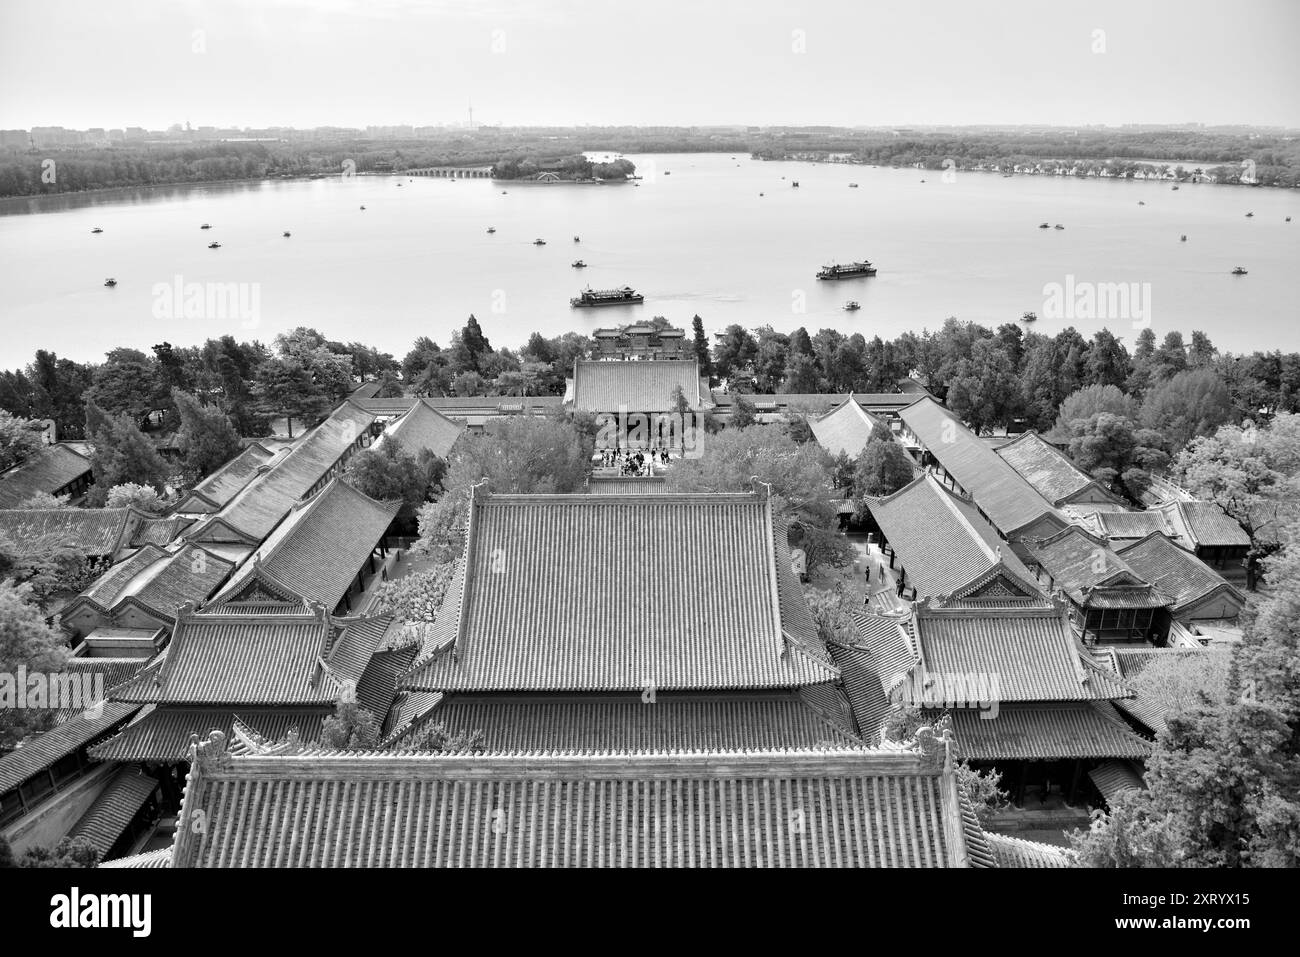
<point x="846" y="270"/>
<point x="503" y="192"/>
<point x="577" y="239"/>
<point x="795" y="184"/>
<point x="1059" y="226"/>
<point x="286" y="234"/>
<point x="579" y="264"/>
<point x="206" y="226"/>
<point x="214" y="245"/>
<point x="96" y="230"/>
<point x="853" y="185"/>
<point x="922" y="181"/>
<point x="668" y="172"/>
<point x="1142" y="202"/>
<point x="539" y="242"/>
<point x="762" y="194"/>
<point x="1173" y="187"/>
<point x="363" y="207"/>
<point x="1029" y="316"/>
<point x="1182" y="238"/>
<point x="110" y="282"/>
<point x="606" y="297"/>
<point x="1044" y="225"/>
<point x="1248" y="215"/>
<point x="852" y="306"/>
<point x="492" y="229"/>
<point x="1238" y="271"/>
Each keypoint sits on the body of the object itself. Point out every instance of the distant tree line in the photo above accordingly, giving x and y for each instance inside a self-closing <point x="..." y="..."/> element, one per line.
<point x="1276" y="157"/>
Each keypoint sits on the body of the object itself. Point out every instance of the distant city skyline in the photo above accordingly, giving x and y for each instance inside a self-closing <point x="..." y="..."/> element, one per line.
<point x="84" y="64"/>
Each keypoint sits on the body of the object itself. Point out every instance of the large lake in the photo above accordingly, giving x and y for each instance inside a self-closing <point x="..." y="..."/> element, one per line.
<point x="695" y="236"/>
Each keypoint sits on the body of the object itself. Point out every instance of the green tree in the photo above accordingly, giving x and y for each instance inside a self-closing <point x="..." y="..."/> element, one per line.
<point x="142" y="497"/>
<point x="389" y="472"/>
<point x="122" y="455"/>
<point x="285" y="387"/>
<point x="20" y="439"/>
<point x="1187" y="405"/>
<point x="734" y="353"/>
<point x="982" y="390"/>
<point x="1091" y="400"/>
<point x="1107" y="360"/>
<point x="351" y="727"/>
<point x="1114" y="450"/>
<point x="702" y="351"/>
<point x="207" y="437"/>
<point x="743" y="413"/>
<point x="882" y="468"/>
<point x="70" y="852"/>
<point x="26" y="641"/>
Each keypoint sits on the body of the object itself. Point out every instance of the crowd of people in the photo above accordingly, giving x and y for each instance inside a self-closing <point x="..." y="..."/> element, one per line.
<point x="634" y="462"/>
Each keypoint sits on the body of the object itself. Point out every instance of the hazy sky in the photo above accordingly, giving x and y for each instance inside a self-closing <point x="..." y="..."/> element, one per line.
<point x="116" y="63"/>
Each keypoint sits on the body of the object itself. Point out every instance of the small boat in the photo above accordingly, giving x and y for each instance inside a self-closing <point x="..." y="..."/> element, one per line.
<point x="110" y="282"/>
<point x="795" y="184"/>
<point x="539" y="242"/>
<point x="762" y="194"/>
<point x="503" y="192"/>
<point x="363" y="207"/>
<point x="1238" y="271"/>
<point x="1288" y="219"/>
<point x="286" y="234"/>
<point x="579" y="264"/>
<point x="206" y="226"/>
<point x="922" y="181"/>
<point x="96" y="230"/>
<point x="1248" y="215"/>
<point x="1058" y="226"/>
<point x="577" y="239"/>
<point x="399" y="184"/>
<point x="853" y="185"/>
<point x="1173" y="187"/>
<point x="1029" y="316"/>
<point x="1182" y="238"/>
<point x="852" y="306"/>
<point x="1142" y="202"/>
<point x="214" y="245"/>
<point x="668" y="172"/>
<point x="1044" y="225"/>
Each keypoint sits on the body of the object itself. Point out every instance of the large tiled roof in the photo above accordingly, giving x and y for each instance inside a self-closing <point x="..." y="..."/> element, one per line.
<point x="255" y="660"/>
<point x="1115" y="525"/>
<point x="627" y="723"/>
<point x="1091" y="573"/>
<point x="1043" y="466"/>
<point x="226" y="482"/>
<point x="92" y="531"/>
<point x="40" y="751"/>
<point x="316" y="552"/>
<point x="1018" y="852"/>
<point x="111" y="812"/>
<point x="1113" y="778"/>
<point x="424" y="428"/>
<point x="1002" y="494"/>
<point x="943" y="540"/>
<point x="160" y="531"/>
<point x="635" y="386"/>
<point x="261" y="504"/>
<point x="1197" y="524"/>
<point x="1002" y="654"/>
<point x="711" y="809"/>
<point x="48" y="470"/>
<point x="1128" y="663"/>
<point x="1044" y="732"/>
<point x="847" y="428"/>
<point x="610" y="593"/>
<point x="620" y="485"/>
<point x="190" y="574"/>
<point x="164" y="734"/>
<point x="160" y="858"/>
<point x="105" y="590"/>
<point x="1178" y="574"/>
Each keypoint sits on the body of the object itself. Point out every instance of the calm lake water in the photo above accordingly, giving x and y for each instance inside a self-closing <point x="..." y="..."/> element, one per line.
<point x="694" y="237"/>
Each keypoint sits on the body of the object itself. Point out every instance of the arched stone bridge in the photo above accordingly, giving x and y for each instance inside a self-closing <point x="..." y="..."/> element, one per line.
<point x="452" y="172"/>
